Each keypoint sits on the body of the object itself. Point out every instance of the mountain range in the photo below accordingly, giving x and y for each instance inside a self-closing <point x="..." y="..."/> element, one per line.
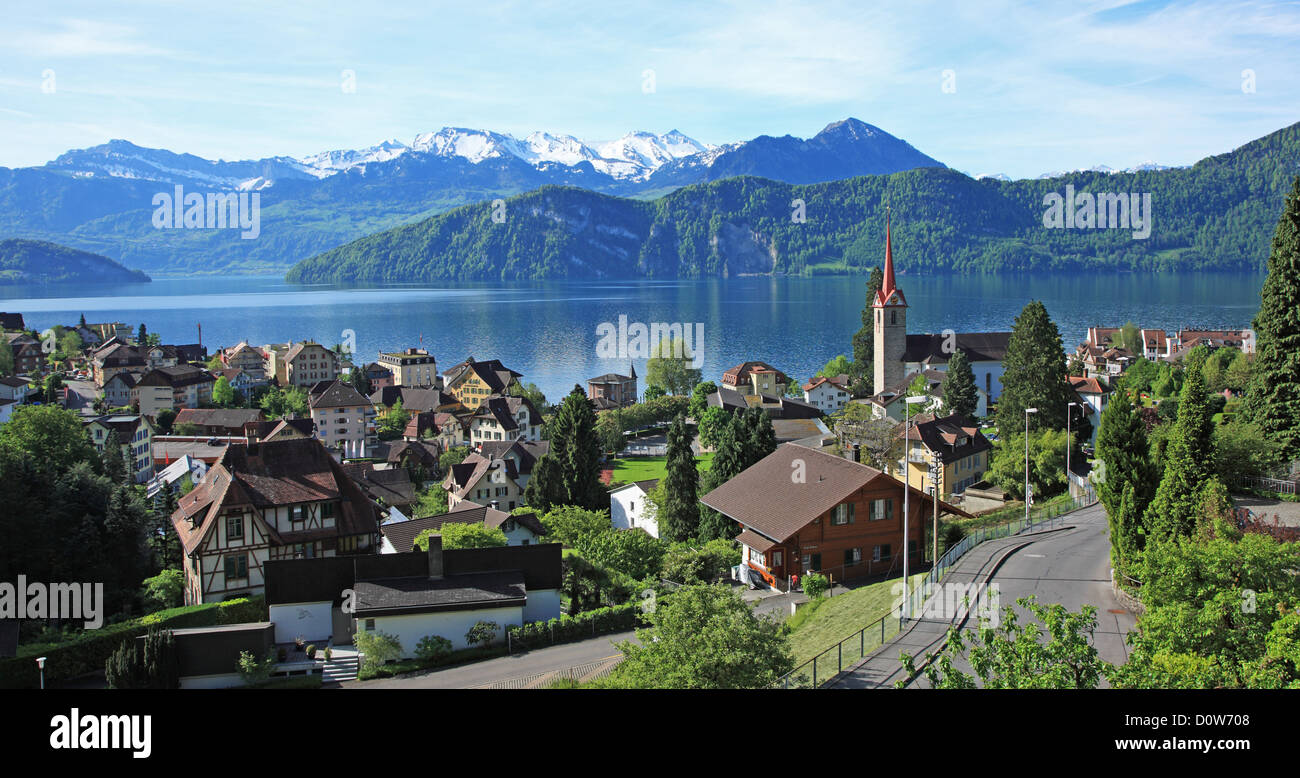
<point x="34" y="261"/>
<point x="101" y="199"/>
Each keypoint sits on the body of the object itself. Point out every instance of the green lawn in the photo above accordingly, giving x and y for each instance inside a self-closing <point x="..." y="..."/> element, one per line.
<point x="843" y="615"/>
<point x="643" y="468"/>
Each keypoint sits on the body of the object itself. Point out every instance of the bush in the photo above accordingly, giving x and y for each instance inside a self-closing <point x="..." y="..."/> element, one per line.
<point x="253" y="670"/>
<point x="482" y="633"/>
<point x="815" y="585"/>
<point x="378" y="647"/>
<point x="311" y="651"/>
<point x="566" y="629"/>
<point x="432" y="648"/>
<point x="329" y="652"/>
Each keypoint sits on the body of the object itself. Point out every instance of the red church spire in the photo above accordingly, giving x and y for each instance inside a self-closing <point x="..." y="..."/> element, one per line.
<point x="887" y="286"/>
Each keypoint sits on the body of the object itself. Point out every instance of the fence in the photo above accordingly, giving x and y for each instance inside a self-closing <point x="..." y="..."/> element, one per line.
<point x="570" y="675"/>
<point x="1281" y="486"/>
<point x="829" y="663"/>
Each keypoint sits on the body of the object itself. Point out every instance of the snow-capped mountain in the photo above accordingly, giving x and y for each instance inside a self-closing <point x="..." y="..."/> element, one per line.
<point x="123" y="159"/>
<point x="1144" y="166"/>
<point x="328" y="162"/>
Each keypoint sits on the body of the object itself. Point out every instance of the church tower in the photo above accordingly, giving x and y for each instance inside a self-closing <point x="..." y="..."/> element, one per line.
<point x="890" y="330"/>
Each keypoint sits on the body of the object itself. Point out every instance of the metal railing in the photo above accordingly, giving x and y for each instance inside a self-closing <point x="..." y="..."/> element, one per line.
<point x="831" y="662"/>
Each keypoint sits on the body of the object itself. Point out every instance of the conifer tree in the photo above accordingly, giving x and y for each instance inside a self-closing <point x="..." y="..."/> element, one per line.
<point x="1273" y="399"/>
<point x="1188" y="455"/>
<point x="1126" y="477"/>
<point x="679" y="514"/>
<point x="959" y="392"/>
<point x="576" y="449"/>
<point x="114" y="464"/>
<point x="864" y="342"/>
<point x="759" y="435"/>
<point x="1033" y="374"/>
<point x="728" y="462"/>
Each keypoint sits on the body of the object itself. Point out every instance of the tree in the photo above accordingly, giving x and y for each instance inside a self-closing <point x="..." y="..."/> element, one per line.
<point x="457" y="535"/>
<point x="729" y="460"/>
<point x="1126" y="477"/>
<point x="377" y="647"/>
<point x="114" y="464"/>
<point x="1242" y="450"/>
<point x="357" y="378"/>
<point x="573" y="475"/>
<point x="1046" y="463"/>
<point x="609" y="428"/>
<point x="392" y="423"/>
<point x="6" y="357"/>
<point x="1059" y="654"/>
<point x="878" y="442"/>
<point x="431" y="502"/>
<point x="704" y="637"/>
<point x="679" y="515"/>
<point x="223" y="394"/>
<point x="670" y="367"/>
<point x="840" y="365"/>
<point x="632" y="552"/>
<point x="164" y="420"/>
<point x="545" y="490"/>
<point x="165" y="590"/>
<point x="453" y="456"/>
<point x="700" y="399"/>
<point x="960" y="395"/>
<point x="711" y="424"/>
<point x="1129" y="338"/>
<point x="51" y="438"/>
<point x="653" y="391"/>
<point x="1033" y="374"/>
<point x="569" y="524"/>
<point x="863" y="379"/>
<point x="283" y="403"/>
<point x="759" y="436"/>
<point x="482" y="633"/>
<point x="151" y="664"/>
<point x="142" y="335"/>
<point x="1273" y="401"/>
<point x="1188" y="457"/>
<point x="532" y="394"/>
<point x="687" y="564"/>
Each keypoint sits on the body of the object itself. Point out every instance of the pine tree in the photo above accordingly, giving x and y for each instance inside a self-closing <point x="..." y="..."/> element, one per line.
<point x="1127" y="477"/>
<point x="1033" y="374"/>
<point x="760" y="437"/>
<point x="1188" y="455"/>
<point x="545" y="488"/>
<point x="114" y="464"/>
<point x="959" y="392"/>
<point x="679" y="515"/>
<point x="1273" y="400"/>
<point x="576" y="449"/>
<point x="864" y="341"/>
<point x="728" y="462"/>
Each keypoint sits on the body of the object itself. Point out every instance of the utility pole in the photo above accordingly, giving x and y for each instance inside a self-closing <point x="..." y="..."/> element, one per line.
<point x="937" y="472"/>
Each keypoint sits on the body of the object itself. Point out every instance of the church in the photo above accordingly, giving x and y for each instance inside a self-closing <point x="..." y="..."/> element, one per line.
<point x="900" y="357"/>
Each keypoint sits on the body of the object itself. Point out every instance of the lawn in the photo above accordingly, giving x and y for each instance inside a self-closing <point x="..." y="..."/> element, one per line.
<point x="643" y="468"/>
<point x="838" y="617"/>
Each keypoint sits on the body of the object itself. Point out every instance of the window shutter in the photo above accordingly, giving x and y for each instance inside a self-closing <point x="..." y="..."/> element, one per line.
<point x="852" y="511"/>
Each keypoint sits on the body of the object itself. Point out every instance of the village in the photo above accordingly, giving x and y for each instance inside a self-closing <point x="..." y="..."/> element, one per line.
<point x="371" y="518"/>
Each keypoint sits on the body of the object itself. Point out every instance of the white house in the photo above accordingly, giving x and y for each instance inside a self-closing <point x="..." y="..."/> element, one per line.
<point x="627" y="507"/>
<point x="522" y="529"/>
<point x="827" y="394"/>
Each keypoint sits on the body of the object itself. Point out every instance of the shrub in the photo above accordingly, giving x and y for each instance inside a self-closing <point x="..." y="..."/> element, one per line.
<point x="432" y="648"/>
<point x="254" y="671"/>
<point x="482" y="634"/>
<point x="378" y="647"/>
<point x="329" y="652"/>
<point x="599" y="621"/>
<point x="311" y="651"/>
<point x="815" y="585"/>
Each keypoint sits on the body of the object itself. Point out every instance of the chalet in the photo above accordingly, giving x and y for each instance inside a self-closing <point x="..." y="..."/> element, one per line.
<point x="482" y="480"/>
<point x="172" y="388"/>
<point x="28" y="357"/>
<point x="345" y="419"/>
<point x="412" y="367"/>
<point x="523" y="454"/>
<point x="827" y="394"/>
<point x="242" y="381"/>
<point x="523" y="529"/>
<point x="1092" y="395"/>
<point x="612" y="390"/>
<point x="135" y="436"/>
<point x="279" y="429"/>
<point x="266" y="501"/>
<point x="117" y="389"/>
<point x="955" y="441"/>
<point x="115" y="356"/>
<point x="218" y="421"/>
<point x="755" y="378"/>
<point x="505" y="417"/>
<point x="471" y="382"/>
<point x="627" y="507"/>
<point x="414" y="454"/>
<point x="801" y="510"/>
<point x="378" y="376"/>
<point x="249" y="359"/>
<point x="415" y="594"/>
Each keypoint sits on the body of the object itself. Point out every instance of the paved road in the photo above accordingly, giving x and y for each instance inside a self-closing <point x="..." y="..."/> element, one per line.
<point x="505" y="668"/>
<point x="81" y="397"/>
<point x="1070" y="566"/>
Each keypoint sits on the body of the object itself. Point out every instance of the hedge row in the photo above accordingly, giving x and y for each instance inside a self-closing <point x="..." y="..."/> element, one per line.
<point x="89" y="651"/>
<point x="566" y="629"/>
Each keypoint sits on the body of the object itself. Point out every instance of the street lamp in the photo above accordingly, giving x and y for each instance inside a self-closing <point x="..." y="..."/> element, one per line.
<point x="1069" y="414"/>
<point x="907" y="478"/>
<point x="40" y="662"/>
<point x="1027" y="496"/>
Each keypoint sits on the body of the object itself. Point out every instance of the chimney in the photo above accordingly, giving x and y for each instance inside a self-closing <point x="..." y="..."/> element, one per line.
<point x="435" y="557"/>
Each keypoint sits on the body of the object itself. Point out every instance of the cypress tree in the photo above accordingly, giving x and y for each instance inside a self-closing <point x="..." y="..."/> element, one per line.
<point x="1127" y="477"/>
<point x="864" y="341"/>
<point x="1273" y="399"/>
<point x="1187" y="459"/>
<point x="679" y="515"/>
<point x="959" y="392"/>
<point x="1033" y="374"/>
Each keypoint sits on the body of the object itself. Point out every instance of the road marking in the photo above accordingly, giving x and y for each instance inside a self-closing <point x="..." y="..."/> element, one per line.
<point x="1035" y="556"/>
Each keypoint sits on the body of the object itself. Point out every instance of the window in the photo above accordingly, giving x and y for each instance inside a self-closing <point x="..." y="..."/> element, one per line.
<point x="347" y="543"/>
<point x="370" y="625"/>
<point x="852" y="556"/>
<point x="236" y="567"/>
<point x="756" y="558"/>
<point x="842" y="514"/>
<point x="777" y="558"/>
<point x="297" y="513"/>
<point x="327" y="510"/>
<point x="882" y="509"/>
<point x="234" y="527"/>
<point x="880" y="553"/>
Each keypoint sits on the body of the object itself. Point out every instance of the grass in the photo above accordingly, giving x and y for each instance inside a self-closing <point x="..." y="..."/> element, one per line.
<point x="838" y="617"/>
<point x="644" y="468"/>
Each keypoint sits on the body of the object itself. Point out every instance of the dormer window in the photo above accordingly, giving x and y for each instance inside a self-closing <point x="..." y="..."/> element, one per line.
<point x="298" y="513"/>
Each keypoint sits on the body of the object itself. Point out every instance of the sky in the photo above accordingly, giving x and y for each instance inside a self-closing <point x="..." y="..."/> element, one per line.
<point x="983" y="86"/>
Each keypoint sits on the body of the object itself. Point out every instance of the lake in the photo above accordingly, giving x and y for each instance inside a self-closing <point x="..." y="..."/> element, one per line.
<point x="548" y="330"/>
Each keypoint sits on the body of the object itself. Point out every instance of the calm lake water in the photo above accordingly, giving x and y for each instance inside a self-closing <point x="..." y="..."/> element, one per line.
<point x="548" y="331"/>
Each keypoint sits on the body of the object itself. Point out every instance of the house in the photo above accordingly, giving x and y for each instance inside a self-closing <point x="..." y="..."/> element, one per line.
<point x="345" y="420"/>
<point x="241" y="381"/>
<point x="115" y="356"/>
<point x="117" y="389"/>
<point x="28" y="357"/>
<point x="7" y="410"/>
<point x="414" y="454"/>
<point x="827" y="394"/>
<point x="612" y="390"/>
<point x="471" y="382"/>
<point x="246" y="358"/>
<point x="801" y="510"/>
<point x="756" y="378"/>
<point x="953" y="440"/>
<point x="627" y="507"/>
<point x="177" y="477"/>
<point x="172" y="388"/>
<point x="523" y="529"/>
<point x="12" y="321"/>
<point x="416" y="399"/>
<point x="890" y="402"/>
<point x="1188" y="339"/>
<point x="16" y="389"/>
<point x="482" y="480"/>
<point x="1092" y="395"/>
<point x="134" y="434"/>
<point x="218" y="421"/>
<point x="505" y="417"/>
<point x="522" y="454"/>
<point x="301" y="364"/>
<point x="391" y="487"/>
<point x="412" y="367"/>
<point x="415" y="594"/>
<point x="776" y="406"/>
<point x="284" y="499"/>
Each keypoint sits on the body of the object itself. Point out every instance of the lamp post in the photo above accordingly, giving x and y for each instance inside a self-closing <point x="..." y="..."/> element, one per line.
<point x="907" y="488"/>
<point x="1027" y="496"/>
<point x="1069" y="415"/>
<point x="40" y="662"/>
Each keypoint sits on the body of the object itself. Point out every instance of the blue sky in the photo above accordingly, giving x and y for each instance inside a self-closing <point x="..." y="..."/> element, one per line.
<point x="1039" y="86"/>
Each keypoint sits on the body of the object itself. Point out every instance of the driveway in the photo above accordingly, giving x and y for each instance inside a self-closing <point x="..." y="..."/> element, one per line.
<point x="81" y="397"/>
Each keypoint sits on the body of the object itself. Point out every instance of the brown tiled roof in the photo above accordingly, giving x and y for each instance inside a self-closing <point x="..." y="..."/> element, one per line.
<point x="402" y="534"/>
<point x="942" y="435"/>
<point x="496" y="375"/>
<point x="176" y="375"/>
<point x="740" y="373"/>
<point x="339" y="395"/>
<point x="979" y="347"/>
<point x="504" y="409"/>
<point x="841" y="381"/>
<point x="230" y="418"/>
